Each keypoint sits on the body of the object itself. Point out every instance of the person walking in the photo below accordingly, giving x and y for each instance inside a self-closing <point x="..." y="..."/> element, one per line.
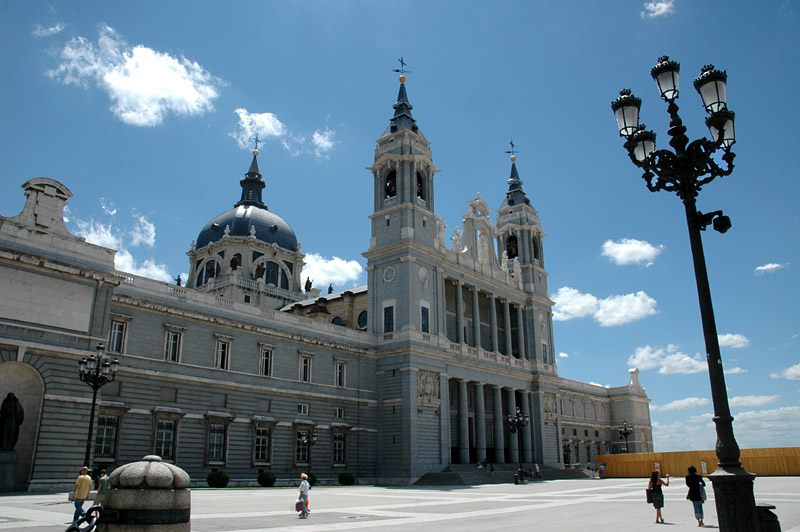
<point x="102" y="487"/>
<point x="658" y="496"/>
<point x="304" y="488"/>
<point x="81" y="492"/>
<point x="697" y="491"/>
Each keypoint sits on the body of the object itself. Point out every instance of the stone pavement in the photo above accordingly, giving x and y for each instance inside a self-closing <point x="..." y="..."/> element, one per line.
<point x="590" y="504"/>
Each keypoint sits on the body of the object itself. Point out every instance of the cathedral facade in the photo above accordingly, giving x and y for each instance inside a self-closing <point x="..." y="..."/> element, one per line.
<point x="248" y="369"/>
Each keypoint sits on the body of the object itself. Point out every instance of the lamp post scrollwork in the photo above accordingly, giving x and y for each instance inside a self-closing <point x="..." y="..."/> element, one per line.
<point x="96" y="372"/>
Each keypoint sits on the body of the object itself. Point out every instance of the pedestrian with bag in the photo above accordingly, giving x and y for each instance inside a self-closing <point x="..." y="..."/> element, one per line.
<point x="654" y="489"/>
<point x="303" y="497"/>
<point x="697" y="493"/>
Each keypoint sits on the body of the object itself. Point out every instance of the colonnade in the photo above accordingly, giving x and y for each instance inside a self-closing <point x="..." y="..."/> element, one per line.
<point x="511" y="346"/>
<point x="504" y="444"/>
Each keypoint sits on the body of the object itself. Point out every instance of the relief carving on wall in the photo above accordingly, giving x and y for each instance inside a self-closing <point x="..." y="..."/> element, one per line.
<point x="428" y="387"/>
<point x="550" y="412"/>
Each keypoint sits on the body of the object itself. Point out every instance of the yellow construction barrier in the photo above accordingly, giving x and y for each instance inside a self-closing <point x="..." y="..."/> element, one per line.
<point x="776" y="462"/>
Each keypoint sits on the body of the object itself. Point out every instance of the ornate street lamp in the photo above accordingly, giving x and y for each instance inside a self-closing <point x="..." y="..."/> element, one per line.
<point x="684" y="170"/>
<point x="96" y="371"/>
<point x="624" y="431"/>
<point x="515" y="422"/>
<point x="309" y="442"/>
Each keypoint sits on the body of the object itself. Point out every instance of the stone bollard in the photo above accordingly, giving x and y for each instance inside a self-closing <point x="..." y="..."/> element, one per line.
<point x="147" y="496"/>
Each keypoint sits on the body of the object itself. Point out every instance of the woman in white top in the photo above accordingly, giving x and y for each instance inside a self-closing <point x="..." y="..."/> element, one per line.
<point x="304" y="487"/>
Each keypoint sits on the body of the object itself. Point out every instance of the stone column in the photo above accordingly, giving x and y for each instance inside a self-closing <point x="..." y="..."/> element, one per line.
<point x="527" y="452"/>
<point x="480" y="422"/>
<point x="444" y="418"/>
<point x="476" y="318"/>
<point x="459" y="313"/>
<point x="513" y="439"/>
<point x="493" y="322"/>
<point x="507" y="325"/>
<point x="463" y="423"/>
<point x="499" y="441"/>
<point x="521" y="332"/>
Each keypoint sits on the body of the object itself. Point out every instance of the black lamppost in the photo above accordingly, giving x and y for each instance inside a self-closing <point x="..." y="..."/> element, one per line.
<point x="309" y="442"/>
<point x="684" y="171"/>
<point x="625" y="430"/>
<point x="96" y="371"/>
<point x="515" y="422"/>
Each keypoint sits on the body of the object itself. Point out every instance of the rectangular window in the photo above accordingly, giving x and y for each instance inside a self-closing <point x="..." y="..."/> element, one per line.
<point x="106" y="440"/>
<point x="338" y="412"/>
<point x="301" y="447"/>
<point x="338" y="448"/>
<point x="544" y="354"/>
<point x="173" y="349"/>
<point x="426" y="328"/>
<point x="262" y="443"/>
<point x="165" y="439"/>
<point x="388" y="319"/>
<point x="341" y="380"/>
<point x="302" y="409"/>
<point x="266" y="362"/>
<point x="116" y="340"/>
<point x="305" y="369"/>
<point x="216" y="442"/>
<point x="222" y="354"/>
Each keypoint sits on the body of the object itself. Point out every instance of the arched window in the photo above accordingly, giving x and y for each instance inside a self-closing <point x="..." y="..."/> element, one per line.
<point x="420" y="186"/>
<point x="338" y="321"/>
<point x="390" y="184"/>
<point x="272" y="274"/>
<point x="208" y="271"/>
<point x="511" y="247"/>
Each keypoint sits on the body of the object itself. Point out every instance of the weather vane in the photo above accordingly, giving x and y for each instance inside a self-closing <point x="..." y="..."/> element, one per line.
<point x="402" y="70"/>
<point x="512" y="151"/>
<point x="257" y="141"/>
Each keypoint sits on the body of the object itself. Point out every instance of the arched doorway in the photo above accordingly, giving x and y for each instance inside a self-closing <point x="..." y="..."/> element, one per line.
<point x="27" y="385"/>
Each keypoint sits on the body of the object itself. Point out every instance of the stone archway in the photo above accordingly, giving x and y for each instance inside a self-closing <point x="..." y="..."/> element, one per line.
<point x="27" y="385"/>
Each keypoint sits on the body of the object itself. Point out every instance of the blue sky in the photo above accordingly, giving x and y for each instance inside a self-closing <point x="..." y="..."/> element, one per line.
<point x="145" y="110"/>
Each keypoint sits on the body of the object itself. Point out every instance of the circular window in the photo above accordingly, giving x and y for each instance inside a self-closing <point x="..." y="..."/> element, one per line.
<point x="388" y="274"/>
<point x="338" y="321"/>
<point x="362" y="319"/>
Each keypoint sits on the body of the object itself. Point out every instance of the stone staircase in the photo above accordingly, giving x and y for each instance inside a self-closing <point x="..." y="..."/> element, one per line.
<point x="470" y="475"/>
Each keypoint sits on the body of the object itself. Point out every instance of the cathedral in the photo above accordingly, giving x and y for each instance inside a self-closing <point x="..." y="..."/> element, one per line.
<point x="248" y="369"/>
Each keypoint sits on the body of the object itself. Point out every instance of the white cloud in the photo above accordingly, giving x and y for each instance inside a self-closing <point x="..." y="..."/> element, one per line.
<point x="631" y="251"/>
<point x="753" y="400"/>
<point x="791" y="373"/>
<point x="668" y="360"/>
<point x="735" y="341"/>
<point x="107" y="236"/>
<point x="658" y="8"/>
<point x="570" y="303"/>
<point x="619" y="310"/>
<point x="108" y="207"/>
<point x="264" y="125"/>
<point x="770" y="268"/>
<point x="333" y="271"/>
<point x="681" y="404"/>
<point x="592" y="383"/>
<point x="734" y="371"/>
<point x="613" y="310"/>
<point x="143" y="233"/>
<point x="144" y="85"/>
<point x="40" y="31"/>
<point x="323" y="141"/>
<point x="563" y="355"/>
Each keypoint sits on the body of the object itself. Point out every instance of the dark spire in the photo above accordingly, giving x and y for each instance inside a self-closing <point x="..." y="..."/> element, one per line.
<point x="515" y="194"/>
<point x="252" y="184"/>
<point x="402" y="108"/>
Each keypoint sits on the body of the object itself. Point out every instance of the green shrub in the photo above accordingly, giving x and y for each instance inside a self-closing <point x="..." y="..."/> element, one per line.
<point x="347" y="479"/>
<point x="312" y="479"/>
<point x="218" y="479"/>
<point x="266" y="479"/>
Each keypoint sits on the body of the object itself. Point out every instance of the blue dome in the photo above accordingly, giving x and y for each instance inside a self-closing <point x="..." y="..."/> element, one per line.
<point x="270" y="228"/>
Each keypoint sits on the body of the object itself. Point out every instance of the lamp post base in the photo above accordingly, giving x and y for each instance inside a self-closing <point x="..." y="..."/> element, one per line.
<point x="736" y="505"/>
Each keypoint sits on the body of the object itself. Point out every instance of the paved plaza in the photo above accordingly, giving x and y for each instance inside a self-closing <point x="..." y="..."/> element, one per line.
<point x="588" y="504"/>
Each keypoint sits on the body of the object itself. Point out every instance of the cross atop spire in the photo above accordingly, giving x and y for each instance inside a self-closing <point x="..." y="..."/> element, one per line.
<point x="513" y="151"/>
<point x="402" y="70"/>
<point x="257" y="141"/>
